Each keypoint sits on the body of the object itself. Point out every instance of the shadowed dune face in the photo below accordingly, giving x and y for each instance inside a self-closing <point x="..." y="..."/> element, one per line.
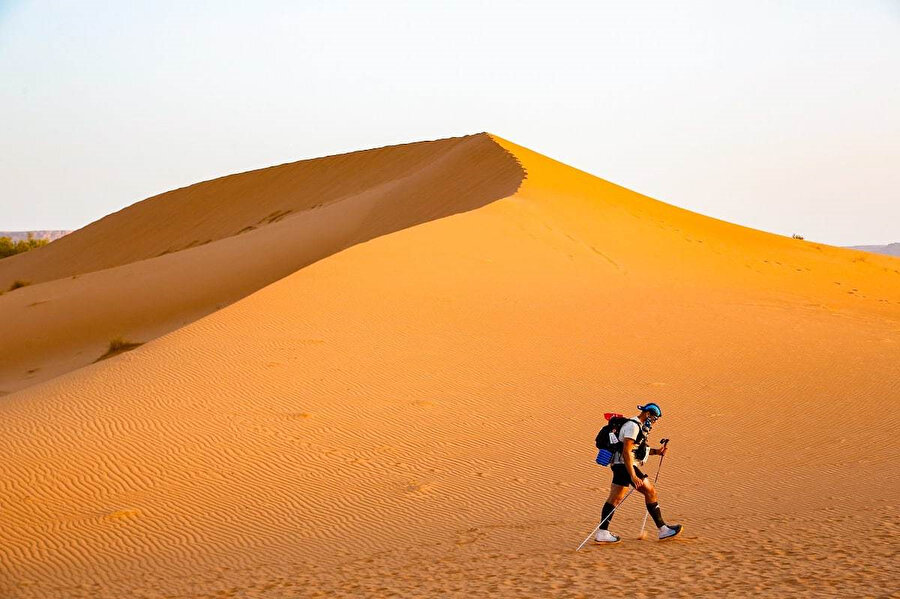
<point x="107" y="281"/>
<point x="416" y="414"/>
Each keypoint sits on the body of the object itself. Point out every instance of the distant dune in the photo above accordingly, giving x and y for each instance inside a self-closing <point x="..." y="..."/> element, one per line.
<point x="382" y="372"/>
<point x="891" y="249"/>
<point x="23" y="235"/>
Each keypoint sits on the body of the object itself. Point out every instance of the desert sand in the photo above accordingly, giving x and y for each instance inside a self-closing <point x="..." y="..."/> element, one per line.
<point x="392" y="382"/>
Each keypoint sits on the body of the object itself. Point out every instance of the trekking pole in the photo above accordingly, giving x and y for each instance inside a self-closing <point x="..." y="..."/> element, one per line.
<point x="604" y="520"/>
<point x="665" y="443"/>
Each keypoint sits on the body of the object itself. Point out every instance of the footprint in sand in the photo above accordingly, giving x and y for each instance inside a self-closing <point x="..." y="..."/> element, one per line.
<point x="469" y="536"/>
<point x="297" y="416"/>
<point x="123" y="514"/>
<point x="418" y="488"/>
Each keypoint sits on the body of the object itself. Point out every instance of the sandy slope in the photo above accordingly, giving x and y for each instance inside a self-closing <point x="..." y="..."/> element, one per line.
<point x="107" y="280"/>
<point x="415" y="414"/>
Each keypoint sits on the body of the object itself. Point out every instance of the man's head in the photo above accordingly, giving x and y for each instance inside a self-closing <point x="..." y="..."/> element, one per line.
<point x="650" y="412"/>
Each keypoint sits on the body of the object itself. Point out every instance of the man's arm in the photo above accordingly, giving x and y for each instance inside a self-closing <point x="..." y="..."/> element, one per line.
<point x="628" y="458"/>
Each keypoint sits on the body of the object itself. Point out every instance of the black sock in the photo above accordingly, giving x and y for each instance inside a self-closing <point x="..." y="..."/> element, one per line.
<point x="607" y="515"/>
<point x="656" y="514"/>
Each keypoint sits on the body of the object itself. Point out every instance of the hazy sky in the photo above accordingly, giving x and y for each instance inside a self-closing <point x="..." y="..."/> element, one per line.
<point x="781" y="115"/>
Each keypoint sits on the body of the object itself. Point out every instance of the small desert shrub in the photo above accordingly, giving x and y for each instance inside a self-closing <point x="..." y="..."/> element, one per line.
<point x="8" y="247"/>
<point x="795" y="236"/>
<point x="118" y="346"/>
<point x="17" y="284"/>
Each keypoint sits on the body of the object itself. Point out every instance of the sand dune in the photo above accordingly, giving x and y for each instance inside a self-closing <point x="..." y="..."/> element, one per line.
<point x="111" y="279"/>
<point x="415" y="414"/>
<point x="891" y="249"/>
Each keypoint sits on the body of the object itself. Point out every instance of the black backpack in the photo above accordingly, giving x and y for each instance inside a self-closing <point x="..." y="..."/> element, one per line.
<point x="608" y="437"/>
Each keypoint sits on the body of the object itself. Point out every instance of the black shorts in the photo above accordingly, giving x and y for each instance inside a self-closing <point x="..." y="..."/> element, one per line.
<point x="621" y="476"/>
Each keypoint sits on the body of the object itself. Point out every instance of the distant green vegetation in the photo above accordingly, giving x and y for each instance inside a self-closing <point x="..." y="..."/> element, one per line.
<point x="8" y="247"/>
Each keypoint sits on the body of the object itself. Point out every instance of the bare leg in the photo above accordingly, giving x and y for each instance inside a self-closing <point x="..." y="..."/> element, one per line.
<point x="648" y="491"/>
<point x="616" y="494"/>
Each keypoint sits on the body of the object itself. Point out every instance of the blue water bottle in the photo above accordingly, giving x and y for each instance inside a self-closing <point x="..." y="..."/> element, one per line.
<point x="604" y="457"/>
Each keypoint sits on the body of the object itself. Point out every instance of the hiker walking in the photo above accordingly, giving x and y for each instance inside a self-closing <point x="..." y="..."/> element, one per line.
<point x="628" y="451"/>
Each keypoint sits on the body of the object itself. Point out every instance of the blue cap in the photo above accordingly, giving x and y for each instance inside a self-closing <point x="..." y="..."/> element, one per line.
<point x="651" y="407"/>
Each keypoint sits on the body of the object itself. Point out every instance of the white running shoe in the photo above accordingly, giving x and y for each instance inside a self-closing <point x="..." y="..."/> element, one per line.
<point x="604" y="536"/>
<point x="667" y="532"/>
